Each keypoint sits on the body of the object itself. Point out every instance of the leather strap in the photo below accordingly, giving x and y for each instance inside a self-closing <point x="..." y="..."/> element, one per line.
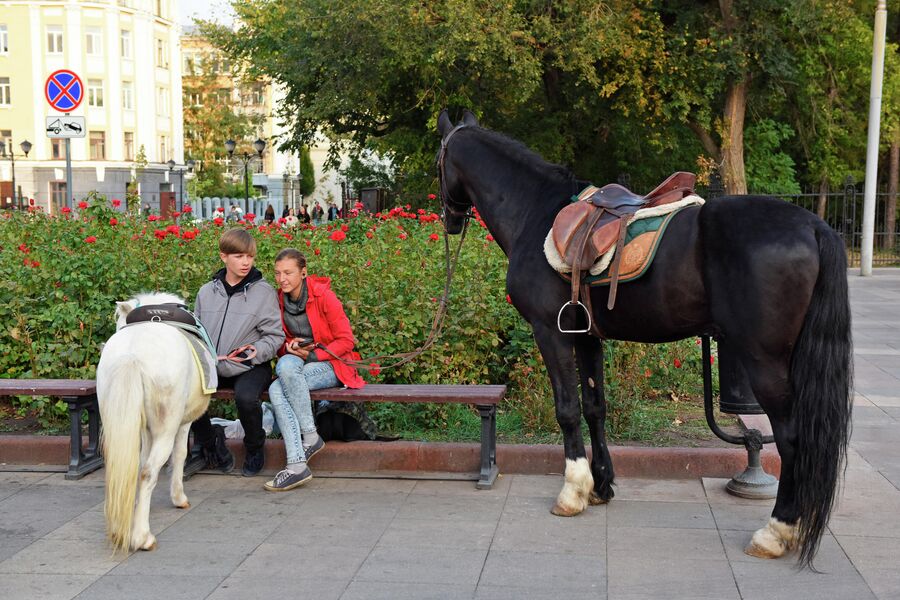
<point x="617" y="262"/>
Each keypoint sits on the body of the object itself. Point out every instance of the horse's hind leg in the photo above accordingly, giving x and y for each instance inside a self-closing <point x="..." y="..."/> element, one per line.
<point x="179" y="452"/>
<point x="559" y="357"/>
<point x="589" y="354"/>
<point x="161" y="448"/>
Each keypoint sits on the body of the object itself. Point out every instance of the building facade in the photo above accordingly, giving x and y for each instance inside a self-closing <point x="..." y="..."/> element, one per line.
<point x="126" y="53"/>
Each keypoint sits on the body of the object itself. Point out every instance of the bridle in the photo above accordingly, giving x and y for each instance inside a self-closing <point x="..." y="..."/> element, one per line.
<point x="449" y="267"/>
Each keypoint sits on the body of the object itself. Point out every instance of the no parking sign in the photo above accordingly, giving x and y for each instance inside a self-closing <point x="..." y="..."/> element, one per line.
<point x="64" y="90"/>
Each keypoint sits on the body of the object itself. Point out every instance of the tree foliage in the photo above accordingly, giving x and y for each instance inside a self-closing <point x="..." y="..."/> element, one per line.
<point x="643" y="87"/>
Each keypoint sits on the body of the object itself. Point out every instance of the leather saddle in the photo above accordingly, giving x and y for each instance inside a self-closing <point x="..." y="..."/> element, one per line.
<point x="161" y="312"/>
<point x="586" y="229"/>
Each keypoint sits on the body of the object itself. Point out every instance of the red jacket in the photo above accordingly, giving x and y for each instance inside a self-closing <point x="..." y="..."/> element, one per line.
<point x="331" y="329"/>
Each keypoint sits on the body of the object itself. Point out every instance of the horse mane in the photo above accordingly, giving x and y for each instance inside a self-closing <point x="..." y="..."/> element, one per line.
<point x="148" y="298"/>
<point x="526" y="156"/>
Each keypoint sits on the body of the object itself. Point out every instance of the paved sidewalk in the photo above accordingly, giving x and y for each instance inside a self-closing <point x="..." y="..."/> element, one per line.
<point x="375" y="538"/>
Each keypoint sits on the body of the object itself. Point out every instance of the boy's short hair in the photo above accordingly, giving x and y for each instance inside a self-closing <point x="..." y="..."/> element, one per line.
<point x="237" y="241"/>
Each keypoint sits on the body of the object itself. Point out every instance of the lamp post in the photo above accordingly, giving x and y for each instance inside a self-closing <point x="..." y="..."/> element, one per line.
<point x="26" y="148"/>
<point x="245" y="158"/>
<point x="189" y="166"/>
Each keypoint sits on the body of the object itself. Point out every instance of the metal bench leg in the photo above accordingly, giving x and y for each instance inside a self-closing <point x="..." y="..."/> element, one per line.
<point x="489" y="470"/>
<point x="83" y="460"/>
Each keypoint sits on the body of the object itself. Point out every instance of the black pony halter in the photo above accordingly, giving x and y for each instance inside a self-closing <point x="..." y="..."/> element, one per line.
<point x="446" y="198"/>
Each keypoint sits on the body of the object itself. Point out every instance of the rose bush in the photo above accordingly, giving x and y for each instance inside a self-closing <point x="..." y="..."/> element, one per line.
<point x="60" y="277"/>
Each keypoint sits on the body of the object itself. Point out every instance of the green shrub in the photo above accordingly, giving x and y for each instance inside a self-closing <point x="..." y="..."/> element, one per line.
<point x="61" y="276"/>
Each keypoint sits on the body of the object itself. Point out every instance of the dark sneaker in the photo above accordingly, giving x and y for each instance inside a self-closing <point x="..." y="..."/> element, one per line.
<point x="219" y="457"/>
<point x="253" y="463"/>
<point x="195" y="462"/>
<point x="287" y="480"/>
<point x="310" y="451"/>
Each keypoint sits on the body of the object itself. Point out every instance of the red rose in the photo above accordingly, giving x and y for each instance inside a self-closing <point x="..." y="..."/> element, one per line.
<point x="189" y="235"/>
<point x="173" y="229"/>
<point x="187" y="209"/>
<point x="712" y="359"/>
<point x="308" y="243"/>
<point x="82" y="205"/>
<point x="154" y="218"/>
<point x="116" y="202"/>
<point x="113" y="221"/>
<point x="23" y="248"/>
<point x="434" y="237"/>
<point x="374" y="369"/>
<point x="345" y="228"/>
<point x="35" y="264"/>
<point x="431" y="196"/>
<point x="489" y="237"/>
<point x="219" y="221"/>
<point x="250" y="217"/>
<point x="282" y="221"/>
<point x="337" y="236"/>
<point x="402" y="236"/>
<point x="369" y="234"/>
<point x="160" y="234"/>
<point x="368" y="263"/>
<point x="317" y="252"/>
<point x="90" y="239"/>
<point x="66" y="210"/>
<point x="220" y="209"/>
<point x="508" y="299"/>
<point x="677" y="363"/>
<point x="176" y="214"/>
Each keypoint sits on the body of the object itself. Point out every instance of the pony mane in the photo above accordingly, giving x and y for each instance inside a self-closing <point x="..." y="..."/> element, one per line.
<point x="525" y="155"/>
<point x="148" y="298"/>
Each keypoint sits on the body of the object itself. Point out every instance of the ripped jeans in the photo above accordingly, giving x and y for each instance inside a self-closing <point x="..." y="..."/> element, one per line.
<point x="290" y="399"/>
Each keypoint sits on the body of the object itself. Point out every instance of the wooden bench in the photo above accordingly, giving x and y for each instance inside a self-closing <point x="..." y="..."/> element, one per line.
<point x="484" y="397"/>
<point x="81" y="396"/>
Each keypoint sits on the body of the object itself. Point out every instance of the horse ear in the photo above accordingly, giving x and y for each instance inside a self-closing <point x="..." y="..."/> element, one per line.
<point x="122" y="309"/>
<point x="444" y="124"/>
<point x="469" y="119"/>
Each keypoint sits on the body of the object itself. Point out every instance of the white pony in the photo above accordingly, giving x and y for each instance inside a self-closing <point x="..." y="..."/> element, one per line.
<point x="149" y="391"/>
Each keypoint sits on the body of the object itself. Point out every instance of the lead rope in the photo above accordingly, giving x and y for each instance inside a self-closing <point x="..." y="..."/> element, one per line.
<point x="436" y="325"/>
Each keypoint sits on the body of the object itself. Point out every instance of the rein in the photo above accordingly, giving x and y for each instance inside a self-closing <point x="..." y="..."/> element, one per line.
<point x="449" y="267"/>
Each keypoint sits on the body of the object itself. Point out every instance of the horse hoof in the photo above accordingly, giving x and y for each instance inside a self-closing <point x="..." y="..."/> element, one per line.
<point x="761" y="552"/>
<point x="186" y="504"/>
<point x="561" y="511"/>
<point x="595" y="500"/>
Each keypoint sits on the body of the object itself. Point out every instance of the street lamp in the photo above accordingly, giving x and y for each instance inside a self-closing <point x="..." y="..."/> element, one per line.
<point x="259" y="145"/>
<point x="26" y="148"/>
<point x="189" y="167"/>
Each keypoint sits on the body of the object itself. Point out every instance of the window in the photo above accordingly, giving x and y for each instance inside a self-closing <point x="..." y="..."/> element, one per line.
<point x="127" y="95"/>
<point x="190" y="64"/>
<point x="57" y="196"/>
<point x="163" y="148"/>
<point x="5" y="92"/>
<point x="57" y="149"/>
<point x="93" y="42"/>
<point x="54" y="39"/>
<point x="223" y="95"/>
<point x="162" y="54"/>
<point x="125" y="43"/>
<point x="6" y="138"/>
<point x="129" y="146"/>
<point x="95" y="92"/>
<point x="98" y="145"/>
<point x="4" y="40"/>
<point x="195" y="99"/>
<point x="162" y="102"/>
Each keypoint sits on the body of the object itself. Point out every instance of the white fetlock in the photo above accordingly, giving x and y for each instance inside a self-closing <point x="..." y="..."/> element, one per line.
<point x="573" y="498"/>
<point x="149" y="543"/>
<point x="181" y="502"/>
<point x="773" y="540"/>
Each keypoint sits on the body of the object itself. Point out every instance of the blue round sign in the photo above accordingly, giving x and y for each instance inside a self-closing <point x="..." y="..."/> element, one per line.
<point x="64" y="90"/>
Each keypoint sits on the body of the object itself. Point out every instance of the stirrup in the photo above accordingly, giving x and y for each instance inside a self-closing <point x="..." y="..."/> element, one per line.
<point x="559" y="318"/>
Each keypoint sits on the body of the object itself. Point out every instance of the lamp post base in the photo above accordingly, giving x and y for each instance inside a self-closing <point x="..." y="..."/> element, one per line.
<point x="754" y="482"/>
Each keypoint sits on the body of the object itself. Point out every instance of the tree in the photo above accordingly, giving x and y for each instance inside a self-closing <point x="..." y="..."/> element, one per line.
<point x="307" y="173"/>
<point x="211" y="116"/>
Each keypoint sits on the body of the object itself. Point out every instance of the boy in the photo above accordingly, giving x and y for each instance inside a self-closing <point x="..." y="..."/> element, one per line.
<point x="240" y="312"/>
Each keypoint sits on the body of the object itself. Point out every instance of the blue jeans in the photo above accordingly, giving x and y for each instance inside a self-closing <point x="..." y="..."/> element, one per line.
<point x="291" y="402"/>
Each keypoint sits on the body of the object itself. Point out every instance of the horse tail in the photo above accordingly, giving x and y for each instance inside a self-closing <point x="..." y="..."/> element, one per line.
<point x="122" y="412"/>
<point x="821" y="375"/>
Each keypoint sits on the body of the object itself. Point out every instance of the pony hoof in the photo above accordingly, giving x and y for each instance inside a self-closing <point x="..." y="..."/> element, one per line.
<point x="562" y="511"/>
<point x="595" y="500"/>
<point x="185" y="504"/>
<point x="150" y="545"/>
<point x="753" y="549"/>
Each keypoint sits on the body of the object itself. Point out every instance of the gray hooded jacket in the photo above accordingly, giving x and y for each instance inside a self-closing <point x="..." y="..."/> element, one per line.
<point x="249" y="316"/>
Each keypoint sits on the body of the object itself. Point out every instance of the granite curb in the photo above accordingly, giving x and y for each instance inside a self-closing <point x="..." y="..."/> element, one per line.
<point x="19" y="452"/>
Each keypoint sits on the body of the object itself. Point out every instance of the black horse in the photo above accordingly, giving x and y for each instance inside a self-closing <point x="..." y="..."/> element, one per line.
<point x="764" y="277"/>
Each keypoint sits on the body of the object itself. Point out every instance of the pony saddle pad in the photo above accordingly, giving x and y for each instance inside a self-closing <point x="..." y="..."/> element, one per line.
<point x="178" y="316"/>
<point x="645" y="230"/>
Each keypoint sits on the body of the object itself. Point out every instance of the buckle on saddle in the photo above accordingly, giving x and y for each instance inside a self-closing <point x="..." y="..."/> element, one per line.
<point x="573" y="304"/>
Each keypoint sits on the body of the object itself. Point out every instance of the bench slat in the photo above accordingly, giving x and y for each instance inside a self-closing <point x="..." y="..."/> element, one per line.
<point x="47" y="387"/>
<point x="382" y="392"/>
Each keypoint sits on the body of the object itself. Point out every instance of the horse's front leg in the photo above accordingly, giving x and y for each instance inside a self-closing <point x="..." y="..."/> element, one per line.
<point x="589" y="354"/>
<point x="179" y="452"/>
<point x="559" y="357"/>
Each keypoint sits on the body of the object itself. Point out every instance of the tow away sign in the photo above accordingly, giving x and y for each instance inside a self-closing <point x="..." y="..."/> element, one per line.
<point x="65" y="127"/>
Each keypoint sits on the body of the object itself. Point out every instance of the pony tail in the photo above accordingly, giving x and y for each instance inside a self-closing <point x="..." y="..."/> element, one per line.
<point x="122" y="413"/>
<point x="822" y="376"/>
